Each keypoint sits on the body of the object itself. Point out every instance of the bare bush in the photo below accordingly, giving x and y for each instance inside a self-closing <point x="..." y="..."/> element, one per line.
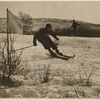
<point x="83" y="76"/>
<point x="23" y="69"/>
<point x="87" y="73"/>
<point x="41" y="74"/>
<point x="12" y="65"/>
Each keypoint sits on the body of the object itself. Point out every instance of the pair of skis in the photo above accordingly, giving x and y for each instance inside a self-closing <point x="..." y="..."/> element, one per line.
<point x="65" y="57"/>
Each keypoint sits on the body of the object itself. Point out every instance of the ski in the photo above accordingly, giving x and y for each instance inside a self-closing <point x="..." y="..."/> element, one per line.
<point x="68" y="56"/>
<point x="65" y="57"/>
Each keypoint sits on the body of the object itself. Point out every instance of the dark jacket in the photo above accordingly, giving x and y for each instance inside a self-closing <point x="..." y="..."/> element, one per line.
<point x="74" y="25"/>
<point x="42" y="34"/>
<point x="43" y="37"/>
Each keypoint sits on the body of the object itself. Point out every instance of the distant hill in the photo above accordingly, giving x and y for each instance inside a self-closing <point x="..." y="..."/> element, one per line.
<point x="60" y="26"/>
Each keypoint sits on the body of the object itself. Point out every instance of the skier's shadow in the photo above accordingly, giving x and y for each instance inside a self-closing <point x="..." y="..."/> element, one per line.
<point x="40" y="57"/>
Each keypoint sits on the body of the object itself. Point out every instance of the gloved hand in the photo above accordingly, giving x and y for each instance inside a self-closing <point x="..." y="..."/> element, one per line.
<point x="57" y="38"/>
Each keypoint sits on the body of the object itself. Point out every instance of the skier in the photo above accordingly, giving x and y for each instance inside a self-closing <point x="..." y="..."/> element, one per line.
<point x="43" y="37"/>
<point x="74" y="26"/>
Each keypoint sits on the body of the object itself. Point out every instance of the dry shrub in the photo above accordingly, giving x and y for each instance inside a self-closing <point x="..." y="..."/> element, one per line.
<point x="11" y="66"/>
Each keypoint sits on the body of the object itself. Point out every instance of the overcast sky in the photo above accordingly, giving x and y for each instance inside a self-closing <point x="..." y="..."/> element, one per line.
<point x="88" y="11"/>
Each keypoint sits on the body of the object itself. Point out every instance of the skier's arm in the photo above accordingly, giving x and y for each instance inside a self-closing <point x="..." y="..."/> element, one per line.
<point x="53" y="35"/>
<point x="34" y="40"/>
<point x="77" y="24"/>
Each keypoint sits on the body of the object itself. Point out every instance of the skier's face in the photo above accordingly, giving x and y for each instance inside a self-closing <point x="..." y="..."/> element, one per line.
<point x="49" y="29"/>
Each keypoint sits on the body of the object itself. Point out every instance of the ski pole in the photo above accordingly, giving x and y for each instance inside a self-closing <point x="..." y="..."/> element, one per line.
<point x="23" y="48"/>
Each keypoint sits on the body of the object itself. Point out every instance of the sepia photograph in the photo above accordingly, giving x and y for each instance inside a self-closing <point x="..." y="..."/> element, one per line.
<point x="50" y="49"/>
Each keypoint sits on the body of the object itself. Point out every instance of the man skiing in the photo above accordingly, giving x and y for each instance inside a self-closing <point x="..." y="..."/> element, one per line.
<point x="43" y="37"/>
<point x="74" y="26"/>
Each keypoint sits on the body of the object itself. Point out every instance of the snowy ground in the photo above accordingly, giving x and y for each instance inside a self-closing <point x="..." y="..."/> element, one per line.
<point x="65" y="76"/>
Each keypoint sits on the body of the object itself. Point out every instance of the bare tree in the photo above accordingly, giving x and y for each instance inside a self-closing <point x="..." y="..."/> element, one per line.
<point x="14" y="60"/>
<point x="27" y="19"/>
